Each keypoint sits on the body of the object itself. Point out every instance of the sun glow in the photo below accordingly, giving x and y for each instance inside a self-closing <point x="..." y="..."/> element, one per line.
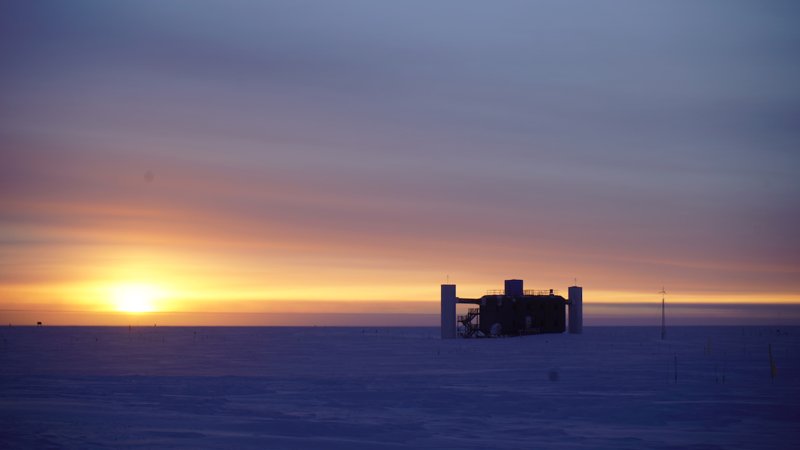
<point x="135" y="298"/>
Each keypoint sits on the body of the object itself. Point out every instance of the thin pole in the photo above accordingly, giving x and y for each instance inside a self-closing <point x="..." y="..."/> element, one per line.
<point x="663" y="310"/>
<point x="676" y="368"/>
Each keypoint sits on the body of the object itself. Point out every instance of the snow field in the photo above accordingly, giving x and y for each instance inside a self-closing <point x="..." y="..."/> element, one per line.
<point x="217" y="387"/>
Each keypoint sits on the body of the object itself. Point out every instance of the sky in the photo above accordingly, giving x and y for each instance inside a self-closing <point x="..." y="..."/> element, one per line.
<point x="348" y="157"/>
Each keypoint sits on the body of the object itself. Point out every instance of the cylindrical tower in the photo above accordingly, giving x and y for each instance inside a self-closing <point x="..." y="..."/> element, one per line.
<point x="575" y="298"/>
<point x="448" y="311"/>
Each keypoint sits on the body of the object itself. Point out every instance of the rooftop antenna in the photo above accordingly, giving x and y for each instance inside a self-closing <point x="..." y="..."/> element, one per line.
<point x="448" y="279"/>
<point x="575" y="280"/>
<point x="663" y="293"/>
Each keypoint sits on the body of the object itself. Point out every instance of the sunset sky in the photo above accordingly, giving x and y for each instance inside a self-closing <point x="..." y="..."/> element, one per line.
<point x="348" y="156"/>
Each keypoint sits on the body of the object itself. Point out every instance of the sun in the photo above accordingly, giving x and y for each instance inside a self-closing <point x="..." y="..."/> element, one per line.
<point x="135" y="298"/>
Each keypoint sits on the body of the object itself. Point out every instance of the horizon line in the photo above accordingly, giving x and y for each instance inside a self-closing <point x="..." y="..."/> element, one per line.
<point x="681" y="304"/>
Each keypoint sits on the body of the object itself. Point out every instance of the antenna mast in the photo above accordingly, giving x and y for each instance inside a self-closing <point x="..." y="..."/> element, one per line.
<point x="663" y="293"/>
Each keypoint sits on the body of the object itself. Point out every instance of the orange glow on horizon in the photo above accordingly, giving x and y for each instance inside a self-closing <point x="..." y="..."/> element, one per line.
<point x="160" y="259"/>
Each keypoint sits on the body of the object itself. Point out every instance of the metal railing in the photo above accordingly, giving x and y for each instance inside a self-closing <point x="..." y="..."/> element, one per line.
<point x="525" y="292"/>
<point x="540" y="292"/>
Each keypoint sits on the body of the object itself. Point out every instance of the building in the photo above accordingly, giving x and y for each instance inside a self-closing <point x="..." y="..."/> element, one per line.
<point x="512" y="311"/>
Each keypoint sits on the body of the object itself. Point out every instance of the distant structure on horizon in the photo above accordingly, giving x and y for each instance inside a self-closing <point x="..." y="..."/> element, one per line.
<point x="513" y="311"/>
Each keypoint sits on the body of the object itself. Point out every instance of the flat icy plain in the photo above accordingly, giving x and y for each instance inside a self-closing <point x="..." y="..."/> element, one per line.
<point x="351" y="388"/>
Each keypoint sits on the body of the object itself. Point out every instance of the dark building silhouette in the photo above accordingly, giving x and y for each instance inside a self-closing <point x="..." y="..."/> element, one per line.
<point x="512" y="311"/>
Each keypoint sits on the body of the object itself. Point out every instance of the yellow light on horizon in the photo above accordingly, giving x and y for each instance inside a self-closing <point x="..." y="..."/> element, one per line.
<point x="135" y="298"/>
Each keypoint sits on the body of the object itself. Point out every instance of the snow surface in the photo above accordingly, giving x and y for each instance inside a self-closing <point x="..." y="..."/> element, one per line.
<point x="352" y="388"/>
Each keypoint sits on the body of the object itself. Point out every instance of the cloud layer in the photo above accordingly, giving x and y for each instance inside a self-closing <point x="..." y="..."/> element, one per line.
<point x="248" y="150"/>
